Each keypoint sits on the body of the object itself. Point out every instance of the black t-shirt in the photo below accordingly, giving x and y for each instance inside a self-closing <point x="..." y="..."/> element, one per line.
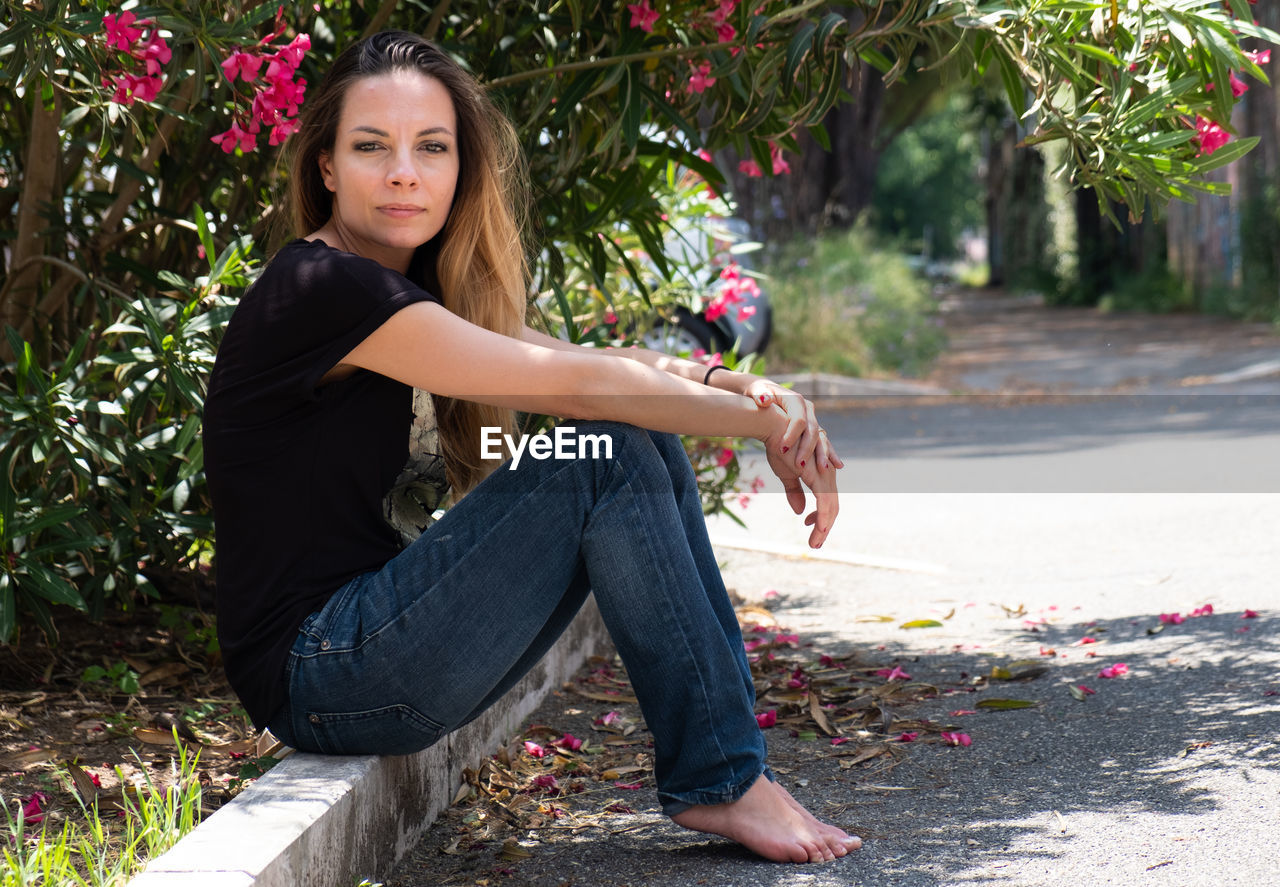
<point x="300" y="473"/>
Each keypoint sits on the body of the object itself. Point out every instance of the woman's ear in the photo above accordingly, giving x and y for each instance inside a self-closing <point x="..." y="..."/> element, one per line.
<point x="325" y="162"/>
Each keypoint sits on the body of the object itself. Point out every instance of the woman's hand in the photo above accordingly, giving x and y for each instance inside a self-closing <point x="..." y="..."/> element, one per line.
<point x="811" y="461"/>
<point x="822" y="481"/>
<point x="804" y="442"/>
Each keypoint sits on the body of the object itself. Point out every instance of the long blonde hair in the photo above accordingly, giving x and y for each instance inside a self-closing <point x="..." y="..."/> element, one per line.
<point x="477" y="264"/>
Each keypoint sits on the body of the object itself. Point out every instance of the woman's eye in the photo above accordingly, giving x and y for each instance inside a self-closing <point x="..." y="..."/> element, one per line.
<point x="367" y="146"/>
<point x="434" y="147"/>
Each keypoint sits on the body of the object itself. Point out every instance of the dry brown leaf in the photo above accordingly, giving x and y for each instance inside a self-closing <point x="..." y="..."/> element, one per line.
<point x="819" y="716"/>
<point x="21" y="759"/>
<point x="162" y="673"/>
<point x="604" y="697"/>
<point x="83" y="782"/>
<point x="853" y="759"/>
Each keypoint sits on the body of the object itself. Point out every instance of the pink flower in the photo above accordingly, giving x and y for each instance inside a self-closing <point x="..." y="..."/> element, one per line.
<point x="1172" y="618"/>
<point x="1259" y="58"/>
<point x="1087" y="640"/>
<point x="1206" y="610"/>
<point x="1238" y="86"/>
<point x="155" y="53"/>
<point x="780" y="165"/>
<point x="746" y="311"/>
<point x="568" y="741"/>
<point x="698" y="80"/>
<point x="723" y="10"/>
<point x="33" y="808"/>
<point x="283" y="130"/>
<point x="1209" y="136"/>
<point x="726" y="32"/>
<point x="1086" y="691"/>
<point x="725" y="457"/>
<point x="291" y="55"/>
<point x="235" y="136"/>
<point x="907" y="737"/>
<point x="1114" y="671"/>
<point x="546" y="780"/>
<point x="534" y="749"/>
<point x="956" y="739"/>
<point x="642" y="16"/>
<point x="1249" y="614"/>
<point x="767" y="718"/>
<point x="893" y="674"/>
<point x="120" y="33"/>
<point x="607" y="718"/>
<point x="244" y="65"/>
<point x="750" y="168"/>
<point x="781" y="638"/>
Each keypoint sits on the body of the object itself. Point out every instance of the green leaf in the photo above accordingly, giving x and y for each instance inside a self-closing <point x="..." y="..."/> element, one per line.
<point x="206" y="239"/>
<point x="1097" y="53"/>
<point x="8" y="609"/>
<point x="1076" y="692"/>
<point x="1013" y="85"/>
<point x="799" y="47"/>
<point x="1007" y="704"/>
<point x="1226" y="154"/>
<point x="921" y="623"/>
<point x="53" y="587"/>
<point x="54" y="516"/>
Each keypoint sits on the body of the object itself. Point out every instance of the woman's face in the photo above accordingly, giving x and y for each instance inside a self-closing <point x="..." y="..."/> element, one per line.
<point x="394" y="166"/>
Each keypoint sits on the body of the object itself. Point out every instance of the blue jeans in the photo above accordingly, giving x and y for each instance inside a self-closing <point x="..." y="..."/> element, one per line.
<point x="403" y="655"/>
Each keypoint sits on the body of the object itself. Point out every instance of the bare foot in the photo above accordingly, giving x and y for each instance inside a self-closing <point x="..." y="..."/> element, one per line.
<point x="768" y="821"/>
<point x="832" y="831"/>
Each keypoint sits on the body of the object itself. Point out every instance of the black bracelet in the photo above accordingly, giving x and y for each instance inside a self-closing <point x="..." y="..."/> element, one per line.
<point x="706" y="380"/>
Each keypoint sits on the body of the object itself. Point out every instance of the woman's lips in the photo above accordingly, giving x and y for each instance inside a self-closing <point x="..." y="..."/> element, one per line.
<point x="400" y="211"/>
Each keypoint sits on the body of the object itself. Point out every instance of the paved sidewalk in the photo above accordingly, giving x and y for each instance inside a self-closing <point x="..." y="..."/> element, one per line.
<point x="1168" y="776"/>
<point x="1009" y="344"/>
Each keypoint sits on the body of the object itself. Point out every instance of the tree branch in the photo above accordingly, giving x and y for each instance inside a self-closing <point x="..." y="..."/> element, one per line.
<point x="437" y="16"/>
<point x="672" y="52"/>
<point x="379" y="18"/>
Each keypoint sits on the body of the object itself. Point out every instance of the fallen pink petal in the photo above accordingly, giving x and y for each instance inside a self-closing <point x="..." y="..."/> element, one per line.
<point x="1172" y="618"/>
<point x="1086" y="640"/>
<point x="629" y="786"/>
<point x="534" y="749"/>
<point x="1206" y="610"/>
<point x="767" y="718"/>
<point x="568" y="741"/>
<point x="841" y="740"/>
<point x="1085" y="690"/>
<point x="960" y="712"/>
<point x="546" y="781"/>
<point x="907" y="737"/>
<point x="1114" y="671"/>
<point x="1249" y="614"/>
<point x="956" y="739"/>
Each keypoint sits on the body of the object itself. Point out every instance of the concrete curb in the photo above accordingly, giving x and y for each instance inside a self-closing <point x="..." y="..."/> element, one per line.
<point x="329" y="821"/>
<point x="824" y="386"/>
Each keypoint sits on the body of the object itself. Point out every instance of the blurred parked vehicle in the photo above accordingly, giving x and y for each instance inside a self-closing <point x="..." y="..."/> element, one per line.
<point x="735" y="313"/>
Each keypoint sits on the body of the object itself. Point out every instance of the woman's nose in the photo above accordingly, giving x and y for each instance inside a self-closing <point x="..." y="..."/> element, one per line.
<point x="402" y="171"/>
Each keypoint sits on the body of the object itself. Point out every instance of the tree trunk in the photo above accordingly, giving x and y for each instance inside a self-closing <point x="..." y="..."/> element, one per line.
<point x="21" y="292"/>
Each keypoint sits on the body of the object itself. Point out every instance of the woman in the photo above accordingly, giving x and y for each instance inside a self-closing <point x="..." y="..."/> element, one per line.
<point x="349" y="621"/>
